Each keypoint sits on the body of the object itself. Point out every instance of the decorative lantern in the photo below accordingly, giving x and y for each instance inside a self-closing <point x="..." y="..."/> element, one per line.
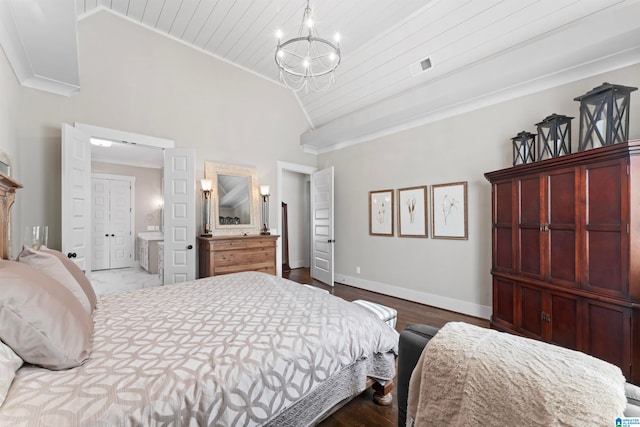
<point x="604" y="115"/>
<point x="554" y="136"/>
<point x="524" y="148"/>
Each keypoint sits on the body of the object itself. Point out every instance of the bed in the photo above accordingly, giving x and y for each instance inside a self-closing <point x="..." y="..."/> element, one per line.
<point x="241" y="349"/>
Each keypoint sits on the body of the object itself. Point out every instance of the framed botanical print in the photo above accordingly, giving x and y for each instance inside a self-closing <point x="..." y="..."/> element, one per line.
<point x="381" y="213"/>
<point x="449" y="211"/>
<point x="412" y="212"/>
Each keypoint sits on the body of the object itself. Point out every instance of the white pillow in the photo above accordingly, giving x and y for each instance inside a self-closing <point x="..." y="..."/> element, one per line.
<point x="51" y="266"/>
<point x="10" y="362"/>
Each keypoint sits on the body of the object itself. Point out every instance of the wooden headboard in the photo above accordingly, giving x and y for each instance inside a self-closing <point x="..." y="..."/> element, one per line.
<point x="8" y="187"/>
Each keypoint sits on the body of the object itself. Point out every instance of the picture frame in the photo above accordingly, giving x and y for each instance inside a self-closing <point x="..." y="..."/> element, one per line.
<point x="449" y="211"/>
<point x="381" y="211"/>
<point x="412" y="212"/>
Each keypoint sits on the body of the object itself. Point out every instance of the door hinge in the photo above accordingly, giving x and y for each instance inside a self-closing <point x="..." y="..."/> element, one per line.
<point x="627" y="169"/>
<point x="628" y="229"/>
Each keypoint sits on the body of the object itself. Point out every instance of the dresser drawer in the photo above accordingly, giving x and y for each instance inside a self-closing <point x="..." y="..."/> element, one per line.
<point x="265" y="267"/>
<point x="247" y="256"/>
<point x="242" y="244"/>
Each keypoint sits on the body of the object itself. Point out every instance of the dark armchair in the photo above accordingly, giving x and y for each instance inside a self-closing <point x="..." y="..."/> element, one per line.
<point x="413" y="339"/>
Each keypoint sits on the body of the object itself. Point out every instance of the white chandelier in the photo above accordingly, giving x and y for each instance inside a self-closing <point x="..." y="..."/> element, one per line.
<point x="307" y="61"/>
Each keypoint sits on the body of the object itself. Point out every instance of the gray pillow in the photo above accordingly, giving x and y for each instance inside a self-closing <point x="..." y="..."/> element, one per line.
<point x="48" y="263"/>
<point x="41" y="320"/>
<point x="77" y="274"/>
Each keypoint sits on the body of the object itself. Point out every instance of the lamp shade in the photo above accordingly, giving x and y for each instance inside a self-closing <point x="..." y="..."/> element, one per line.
<point x="206" y="184"/>
<point x="264" y="190"/>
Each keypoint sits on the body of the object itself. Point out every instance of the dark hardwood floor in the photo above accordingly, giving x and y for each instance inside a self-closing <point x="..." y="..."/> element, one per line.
<point x="361" y="411"/>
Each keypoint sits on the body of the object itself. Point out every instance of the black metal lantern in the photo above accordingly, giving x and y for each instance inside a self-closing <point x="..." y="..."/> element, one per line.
<point x="554" y="136"/>
<point x="604" y="115"/>
<point x="524" y="148"/>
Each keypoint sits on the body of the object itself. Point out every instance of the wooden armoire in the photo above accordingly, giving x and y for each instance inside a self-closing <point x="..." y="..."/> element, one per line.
<point x="566" y="252"/>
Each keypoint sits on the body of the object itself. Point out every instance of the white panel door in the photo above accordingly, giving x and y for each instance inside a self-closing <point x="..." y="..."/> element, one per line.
<point x="120" y="224"/>
<point x="100" y="224"/>
<point x="111" y="242"/>
<point x="179" y="215"/>
<point x="322" y="267"/>
<point x="76" y="196"/>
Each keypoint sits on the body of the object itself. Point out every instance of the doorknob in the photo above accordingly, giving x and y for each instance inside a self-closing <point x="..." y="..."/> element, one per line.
<point x="113" y="235"/>
<point x="72" y="255"/>
<point x="190" y="247"/>
<point x="331" y="241"/>
<point x="106" y="235"/>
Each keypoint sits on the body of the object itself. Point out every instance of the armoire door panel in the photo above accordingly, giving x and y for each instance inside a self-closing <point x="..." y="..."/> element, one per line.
<point x="503" y="254"/>
<point x="562" y="252"/>
<point x="607" y="239"/>
<point x="604" y="195"/>
<point x="531" y="309"/>
<point x="608" y="334"/>
<point x="503" y="301"/>
<point x="562" y="193"/>
<point x="561" y="229"/>
<point x="529" y="202"/>
<point x="529" y="262"/>
<point x="604" y="270"/>
<point x="503" y="203"/>
<point x="564" y="321"/>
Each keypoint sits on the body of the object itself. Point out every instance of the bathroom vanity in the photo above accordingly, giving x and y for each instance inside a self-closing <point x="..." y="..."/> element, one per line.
<point x="148" y="250"/>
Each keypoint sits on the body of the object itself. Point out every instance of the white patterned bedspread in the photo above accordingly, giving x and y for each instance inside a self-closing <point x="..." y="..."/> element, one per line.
<point x="227" y="350"/>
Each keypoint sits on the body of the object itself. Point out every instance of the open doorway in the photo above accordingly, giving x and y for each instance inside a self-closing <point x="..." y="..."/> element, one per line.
<point x="296" y="224"/>
<point x="294" y="190"/>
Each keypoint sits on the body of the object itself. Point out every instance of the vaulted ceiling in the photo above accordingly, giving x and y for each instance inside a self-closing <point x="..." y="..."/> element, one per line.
<point x="481" y="51"/>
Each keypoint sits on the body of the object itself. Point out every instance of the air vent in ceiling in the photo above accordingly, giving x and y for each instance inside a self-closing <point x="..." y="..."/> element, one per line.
<point x="420" y="66"/>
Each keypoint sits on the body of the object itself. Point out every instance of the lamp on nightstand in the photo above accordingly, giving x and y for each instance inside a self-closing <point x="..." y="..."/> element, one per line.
<point x="264" y="193"/>
<point x="206" y="204"/>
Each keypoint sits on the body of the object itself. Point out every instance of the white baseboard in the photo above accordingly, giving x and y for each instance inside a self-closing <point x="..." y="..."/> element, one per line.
<point x="464" y="307"/>
<point x="298" y="263"/>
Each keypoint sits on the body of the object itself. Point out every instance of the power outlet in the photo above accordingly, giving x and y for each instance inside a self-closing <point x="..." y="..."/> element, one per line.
<point x="357" y="270"/>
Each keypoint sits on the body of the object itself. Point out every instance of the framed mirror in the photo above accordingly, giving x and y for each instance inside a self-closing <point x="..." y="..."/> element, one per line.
<point x="235" y="199"/>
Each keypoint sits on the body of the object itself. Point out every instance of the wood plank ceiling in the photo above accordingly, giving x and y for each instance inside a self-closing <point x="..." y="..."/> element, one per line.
<point x="380" y="39"/>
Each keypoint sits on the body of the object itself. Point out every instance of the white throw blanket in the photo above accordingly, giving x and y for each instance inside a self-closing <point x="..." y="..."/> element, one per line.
<point x="471" y="376"/>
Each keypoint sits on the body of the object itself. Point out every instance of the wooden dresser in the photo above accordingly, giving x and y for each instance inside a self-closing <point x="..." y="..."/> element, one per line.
<point x="231" y="254"/>
<point x="566" y="252"/>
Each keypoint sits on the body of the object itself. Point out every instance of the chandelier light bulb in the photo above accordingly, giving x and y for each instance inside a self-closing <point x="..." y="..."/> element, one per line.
<point x="309" y="22"/>
<point x="305" y="62"/>
<point x="332" y="56"/>
<point x="280" y="53"/>
<point x="279" y="35"/>
<point x="337" y="37"/>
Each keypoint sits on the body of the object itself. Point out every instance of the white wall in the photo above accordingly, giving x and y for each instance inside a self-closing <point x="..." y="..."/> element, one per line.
<point x="446" y="273"/>
<point x="136" y="80"/>
<point x="295" y="189"/>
